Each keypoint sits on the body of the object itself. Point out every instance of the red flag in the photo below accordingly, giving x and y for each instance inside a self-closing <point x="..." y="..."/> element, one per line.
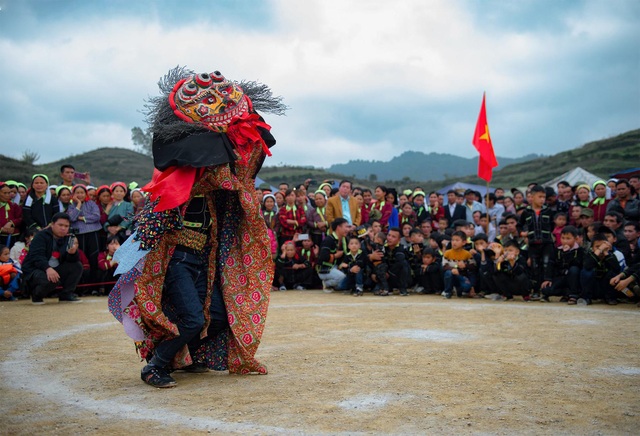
<point x="482" y="142"/>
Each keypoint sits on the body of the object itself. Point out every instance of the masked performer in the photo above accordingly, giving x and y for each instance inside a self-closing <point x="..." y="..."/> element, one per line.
<point x="197" y="271"/>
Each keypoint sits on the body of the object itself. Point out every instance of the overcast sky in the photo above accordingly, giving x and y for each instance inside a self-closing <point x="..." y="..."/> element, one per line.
<point x="364" y="79"/>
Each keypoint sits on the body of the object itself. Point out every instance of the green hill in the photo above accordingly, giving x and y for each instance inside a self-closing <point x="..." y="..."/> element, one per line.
<point x="418" y="166"/>
<point x="602" y="158"/>
<point x="106" y="165"/>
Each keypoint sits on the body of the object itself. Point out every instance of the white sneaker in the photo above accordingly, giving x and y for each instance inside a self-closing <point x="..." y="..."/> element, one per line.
<point x="418" y="290"/>
<point x="282" y="288"/>
<point x="326" y="289"/>
<point x="300" y="288"/>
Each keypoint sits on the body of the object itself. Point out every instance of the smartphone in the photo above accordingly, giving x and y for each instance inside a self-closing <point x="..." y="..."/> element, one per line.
<point x="80" y="176"/>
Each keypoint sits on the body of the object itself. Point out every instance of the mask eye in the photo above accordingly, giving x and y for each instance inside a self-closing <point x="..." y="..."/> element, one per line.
<point x="217" y="76"/>
<point x="190" y="90"/>
<point x="203" y="80"/>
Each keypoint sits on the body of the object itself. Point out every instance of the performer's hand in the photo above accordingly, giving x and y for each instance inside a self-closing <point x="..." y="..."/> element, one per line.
<point x="545" y="284"/>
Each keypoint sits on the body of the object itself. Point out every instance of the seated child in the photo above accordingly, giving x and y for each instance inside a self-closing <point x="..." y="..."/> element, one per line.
<point x="380" y="267"/>
<point x="480" y="244"/>
<point x="457" y="263"/>
<point x="21" y="248"/>
<point x="292" y="271"/>
<point x="414" y="251"/>
<point x="108" y="266"/>
<point x="510" y="273"/>
<point x="565" y="266"/>
<point x="612" y="238"/>
<point x="429" y="273"/>
<point x="599" y="268"/>
<point x="486" y="270"/>
<point x="353" y="267"/>
<point x="309" y="251"/>
<point x="9" y="275"/>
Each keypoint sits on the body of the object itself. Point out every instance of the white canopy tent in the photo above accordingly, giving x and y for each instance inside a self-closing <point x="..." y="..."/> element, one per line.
<point x="574" y="177"/>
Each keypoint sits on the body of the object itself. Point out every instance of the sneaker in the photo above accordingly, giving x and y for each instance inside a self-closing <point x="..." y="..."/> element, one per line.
<point x="583" y="302"/>
<point x="544" y="299"/>
<point x="196" y="368"/>
<point x="326" y="289"/>
<point x="496" y="297"/>
<point x="527" y="298"/>
<point x="572" y="301"/>
<point x="535" y="297"/>
<point x="73" y="298"/>
<point x="404" y="293"/>
<point x="157" y="377"/>
<point x="612" y="302"/>
<point x="282" y="288"/>
<point x="419" y="290"/>
<point x="446" y="295"/>
<point x="36" y="300"/>
<point x="300" y="288"/>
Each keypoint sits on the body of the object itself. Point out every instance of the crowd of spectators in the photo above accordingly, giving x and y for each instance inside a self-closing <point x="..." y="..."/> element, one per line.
<point x="60" y="239"/>
<point x="578" y="244"/>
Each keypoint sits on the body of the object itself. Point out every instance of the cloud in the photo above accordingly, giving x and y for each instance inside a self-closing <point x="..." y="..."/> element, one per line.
<point x="364" y="81"/>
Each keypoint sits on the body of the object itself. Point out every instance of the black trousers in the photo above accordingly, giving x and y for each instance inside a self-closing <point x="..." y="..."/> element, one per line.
<point x="399" y="275"/>
<point x="540" y="255"/>
<point x="432" y="282"/>
<point x="510" y="286"/>
<point x="90" y="246"/>
<point x="70" y="275"/>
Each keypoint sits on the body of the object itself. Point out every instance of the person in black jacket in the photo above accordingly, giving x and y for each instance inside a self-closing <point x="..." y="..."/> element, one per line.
<point x="537" y="225"/>
<point x="599" y="268"/>
<point x="454" y="211"/>
<point x="566" y="267"/>
<point x="353" y="267"/>
<point x="40" y="205"/>
<point x="510" y="273"/>
<point x="53" y="260"/>
<point x="429" y="279"/>
<point x="330" y="255"/>
<point x="293" y="271"/>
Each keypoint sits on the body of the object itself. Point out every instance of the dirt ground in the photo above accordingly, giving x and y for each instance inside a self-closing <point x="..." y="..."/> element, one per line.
<point x="337" y="365"/>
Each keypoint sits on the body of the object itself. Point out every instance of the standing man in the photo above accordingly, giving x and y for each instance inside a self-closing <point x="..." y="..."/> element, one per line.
<point x="471" y="205"/>
<point x="68" y="174"/>
<point x="344" y="206"/>
<point x="624" y="203"/>
<point x="53" y="260"/>
<point x="454" y="211"/>
<point x="494" y="209"/>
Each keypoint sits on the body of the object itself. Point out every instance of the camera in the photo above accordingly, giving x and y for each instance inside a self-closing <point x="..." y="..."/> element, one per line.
<point x="72" y="237"/>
